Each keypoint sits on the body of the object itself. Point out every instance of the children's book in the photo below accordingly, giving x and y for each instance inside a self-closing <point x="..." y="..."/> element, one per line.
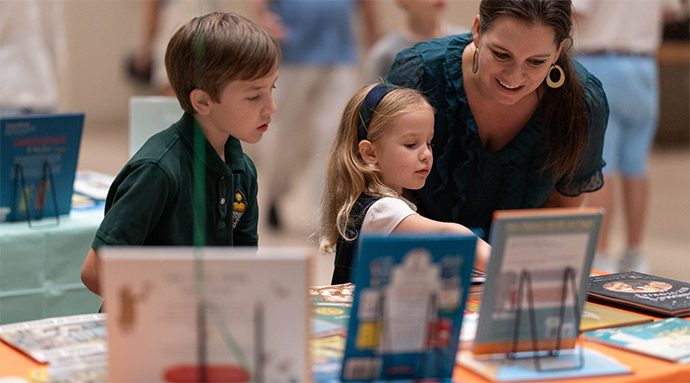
<point x="536" y="279"/>
<point x="501" y="369"/>
<point x="596" y="316"/>
<point x="649" y="293"/>
<point x="207" y="314"/>
<point x="410" y="294"/>
<point x="38" y="161"/>
<point x="667" y="339"/>
<point x="330" y="314"/>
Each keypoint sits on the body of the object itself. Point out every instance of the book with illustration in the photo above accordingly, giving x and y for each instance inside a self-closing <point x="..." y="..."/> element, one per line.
<point x="409" y="300"/>
<point x="540" y="261"/>
<point x="215" y="313"/>
<point x="648" y="293"/>
<point x="667" y="339"/>
<point x="38" y="162"/>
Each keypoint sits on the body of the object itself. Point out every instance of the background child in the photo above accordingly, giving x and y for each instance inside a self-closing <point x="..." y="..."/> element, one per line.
<point x="382" y="148"/>
<point x="192" y="184"/>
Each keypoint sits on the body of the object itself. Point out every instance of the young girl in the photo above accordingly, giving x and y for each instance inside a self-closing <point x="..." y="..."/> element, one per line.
<point x="383" y="147"/>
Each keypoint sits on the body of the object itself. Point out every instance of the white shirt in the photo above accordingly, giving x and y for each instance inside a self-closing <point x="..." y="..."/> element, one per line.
<point x="32" y="53"/>
<point x="632" y="26"/>
<point x="385" y="214"/>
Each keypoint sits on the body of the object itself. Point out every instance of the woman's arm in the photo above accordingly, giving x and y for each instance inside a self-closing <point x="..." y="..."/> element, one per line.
<point x="557" y="199"/>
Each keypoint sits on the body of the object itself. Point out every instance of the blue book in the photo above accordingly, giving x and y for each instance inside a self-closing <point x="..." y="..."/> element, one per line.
<point x="38" y="162"/>
<point x="408" y="305"/>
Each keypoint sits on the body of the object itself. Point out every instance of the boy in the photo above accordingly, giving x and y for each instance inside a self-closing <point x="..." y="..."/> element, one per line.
<point x="191" y="184"/>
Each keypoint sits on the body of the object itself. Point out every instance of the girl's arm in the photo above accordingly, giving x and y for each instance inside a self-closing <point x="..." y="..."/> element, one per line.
<point x="416" y="223"/>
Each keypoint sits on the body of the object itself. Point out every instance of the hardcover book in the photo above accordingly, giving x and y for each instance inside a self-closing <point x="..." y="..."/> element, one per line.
<point x="649" y="293"/>
<point x="540" y="261"/>
<point x="206" y="314"/>
<point x="38" y="162"/>
<point x="667" y="339"/>
<point x="410" y="294"/>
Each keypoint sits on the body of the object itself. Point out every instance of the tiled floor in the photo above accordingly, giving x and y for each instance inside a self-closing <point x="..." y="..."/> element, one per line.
<point x="105" y="148"/>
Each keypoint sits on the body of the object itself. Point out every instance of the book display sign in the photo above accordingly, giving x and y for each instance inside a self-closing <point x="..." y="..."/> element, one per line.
<point x="207" y="314"/>
<point x="38" y="162"/>
<point x="537" y="279"/>
<point x="649" y="293"/>
<point x="410" y="294"/>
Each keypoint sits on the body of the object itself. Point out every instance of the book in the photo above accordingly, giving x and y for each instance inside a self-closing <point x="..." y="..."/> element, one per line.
<point x="538" y="269"/>
<point x="501" y="369"/>
<point x="93" y="184"/>
<point x="596" y="316"/>
<point x="330" y="314"/>
<point x="232" y="313"/>
<point x="38" y="162"/>
<point x="648" y="293"/>
<point x="667" y="339"/>
<point x="407" y="311"/>
<point x="60" y="341"/>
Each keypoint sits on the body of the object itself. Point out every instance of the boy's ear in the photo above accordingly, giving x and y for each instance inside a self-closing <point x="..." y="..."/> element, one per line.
<point x="367" y="151"/>
<point x="201" y="101"/>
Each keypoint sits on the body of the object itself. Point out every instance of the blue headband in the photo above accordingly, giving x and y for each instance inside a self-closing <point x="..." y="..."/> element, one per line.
<point x="371" y="101"/>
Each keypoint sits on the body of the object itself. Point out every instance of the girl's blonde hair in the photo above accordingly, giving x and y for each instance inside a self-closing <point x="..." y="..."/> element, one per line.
<point x="348" y="175"/>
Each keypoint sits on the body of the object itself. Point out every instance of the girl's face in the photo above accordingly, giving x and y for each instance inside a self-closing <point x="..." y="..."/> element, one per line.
<point x="403" y="152"/>
<point x="514" y="58"/>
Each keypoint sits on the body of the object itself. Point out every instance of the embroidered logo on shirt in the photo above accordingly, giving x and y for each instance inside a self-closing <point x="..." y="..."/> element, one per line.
<point x="239" y="205"/>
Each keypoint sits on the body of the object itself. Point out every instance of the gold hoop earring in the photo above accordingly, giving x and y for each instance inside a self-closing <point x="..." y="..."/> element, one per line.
<point x="561" y="77"/>
<point x="475" y="60"/>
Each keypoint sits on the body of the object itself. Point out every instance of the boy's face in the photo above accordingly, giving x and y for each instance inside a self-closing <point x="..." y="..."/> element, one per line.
<point x="244" y="108"/>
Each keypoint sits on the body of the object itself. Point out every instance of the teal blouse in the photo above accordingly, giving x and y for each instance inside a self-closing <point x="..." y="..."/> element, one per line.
<point x="467" y="183"/>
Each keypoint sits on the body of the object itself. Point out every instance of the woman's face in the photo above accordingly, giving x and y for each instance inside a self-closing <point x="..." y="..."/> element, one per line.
<point x="514" y="58"/>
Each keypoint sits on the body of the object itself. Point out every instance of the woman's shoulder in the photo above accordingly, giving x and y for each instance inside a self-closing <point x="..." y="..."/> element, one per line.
<point x="595" y="97"/>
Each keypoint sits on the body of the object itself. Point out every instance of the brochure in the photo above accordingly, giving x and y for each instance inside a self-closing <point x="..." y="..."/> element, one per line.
<point x="540" y="262"/>
<point x="410" y="294"/>
<point x="596" y="316"/>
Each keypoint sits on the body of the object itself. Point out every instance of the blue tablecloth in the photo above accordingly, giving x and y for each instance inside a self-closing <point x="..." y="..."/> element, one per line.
<point x="40" y="267"/>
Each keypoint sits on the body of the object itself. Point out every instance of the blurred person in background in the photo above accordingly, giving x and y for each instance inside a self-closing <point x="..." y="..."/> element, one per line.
<point x="617" y="42"/>
<point x="318" y="74"/>
<point x="423" y="21"/>
<point x="33" y="56"/>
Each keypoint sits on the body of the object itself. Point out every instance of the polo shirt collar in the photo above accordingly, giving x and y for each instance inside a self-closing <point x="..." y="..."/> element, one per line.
<point x="234" y="156"/>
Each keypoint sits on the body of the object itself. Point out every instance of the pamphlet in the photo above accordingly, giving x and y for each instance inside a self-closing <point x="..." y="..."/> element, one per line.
<point x="410" y="294"/>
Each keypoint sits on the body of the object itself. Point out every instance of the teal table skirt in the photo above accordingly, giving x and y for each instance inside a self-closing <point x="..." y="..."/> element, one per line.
<point x="40" y="267"/>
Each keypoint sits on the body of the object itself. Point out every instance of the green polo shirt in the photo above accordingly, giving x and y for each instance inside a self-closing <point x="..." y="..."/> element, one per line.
<point x="154" y="201"/>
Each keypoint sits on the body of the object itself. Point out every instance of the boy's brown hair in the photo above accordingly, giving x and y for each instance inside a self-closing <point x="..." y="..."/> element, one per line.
<point x="212" y="50"/>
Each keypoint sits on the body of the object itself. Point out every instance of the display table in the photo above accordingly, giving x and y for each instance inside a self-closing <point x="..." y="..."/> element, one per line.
<point x="40" y="267"/>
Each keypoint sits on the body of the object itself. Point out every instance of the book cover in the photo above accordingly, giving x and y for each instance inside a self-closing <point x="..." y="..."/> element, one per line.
<point x="38" y="162"/>
<point x="501" y="369"/>
<point x="649" y="293"/>
<point x="330" y="314"/>
<point x="226" y="312"/>
<point x="410" y="294"/>
<point x="667" y="339"/>
<point x="596" y="316"/>
<point x="540" y="261"/>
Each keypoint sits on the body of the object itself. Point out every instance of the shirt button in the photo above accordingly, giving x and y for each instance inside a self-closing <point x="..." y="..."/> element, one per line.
<point x="222" y="201"/>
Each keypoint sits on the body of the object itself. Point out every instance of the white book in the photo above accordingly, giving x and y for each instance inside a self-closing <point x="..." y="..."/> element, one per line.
<point x="177" y="313"/>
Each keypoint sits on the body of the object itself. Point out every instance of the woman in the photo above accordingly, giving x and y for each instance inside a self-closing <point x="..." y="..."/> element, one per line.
<point x="519" y="124"/>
